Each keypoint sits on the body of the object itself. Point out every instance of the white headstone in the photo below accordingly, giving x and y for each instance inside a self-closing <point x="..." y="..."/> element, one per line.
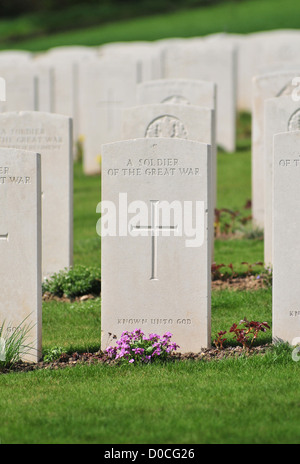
<point x="286" y="238"/>
<point x="177" y="91"/>
<point x="281" y="115"/>
<point x="148" y="57"/>
<point x="261" y="53"/>
<point x="215" y="62"/>
<point x="264" y="87"/>
<point x="17" y="57"/>
<point x="51" y="136"/>
<point x="21" y="88"/>
<point x="108" y="86"/>
<point x="175" y="121"/>
<point x="20" y="247"/>
<point x="28" y="86"/>
<point x="64" y="63"/>
<point x="71" y="52"/>
<point x="159" y="190"/>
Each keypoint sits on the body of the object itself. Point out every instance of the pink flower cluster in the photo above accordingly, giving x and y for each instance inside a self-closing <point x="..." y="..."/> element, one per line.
<point x="136" y="347"/>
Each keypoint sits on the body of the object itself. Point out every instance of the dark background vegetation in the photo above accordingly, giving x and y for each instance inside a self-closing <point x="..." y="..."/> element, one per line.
<point x="38" y="25"/>
<point x="33" y="19"/>
<point x="123" y="8"/>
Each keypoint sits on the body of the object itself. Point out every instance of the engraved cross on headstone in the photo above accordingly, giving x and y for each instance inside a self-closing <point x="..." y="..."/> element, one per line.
<point x="4" y="237"/>
<point x="154" y="228"/>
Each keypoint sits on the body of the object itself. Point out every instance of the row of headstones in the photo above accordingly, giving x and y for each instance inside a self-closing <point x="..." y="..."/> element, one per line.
<point x="51" y="244"/>
<point x="275" y="190"/>
<point x="281" y="114"/>
<point x="156" y="262"/>
<point x="256" y="54"/>
<point x="32" y="137"/>
<point x="155" y="268"/>
<point x="36" y="228"/>
<point x="53" y="81"/>
<point x="93" y="85"/>
<point x="276" y="108"/>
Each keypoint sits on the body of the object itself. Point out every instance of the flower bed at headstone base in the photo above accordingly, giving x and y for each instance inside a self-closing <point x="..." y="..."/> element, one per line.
<point x="75" y="359"/>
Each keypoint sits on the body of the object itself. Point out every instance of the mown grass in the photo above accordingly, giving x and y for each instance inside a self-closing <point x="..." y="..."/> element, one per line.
<point x="244" y="401"/>
<point x="87" y="195"/>
<point x="232" y="16"/>
<point x="77" y="326"/>
<point x="73" y="327"/>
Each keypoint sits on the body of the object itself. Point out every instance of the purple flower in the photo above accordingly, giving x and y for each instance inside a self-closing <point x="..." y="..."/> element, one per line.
<point x="174" y="346"/>
<point x="138" y="333"/>
<point x="111" y="351"/>
<point x="157" y="352"/>
<point x="135" y="346"/>
<point x="138" y="351"/>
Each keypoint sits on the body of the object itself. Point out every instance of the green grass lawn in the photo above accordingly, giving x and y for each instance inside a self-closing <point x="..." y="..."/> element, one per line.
<point x="243" y="401"/>
<point x="235" y="17"/>
<point x="87" y="194"/>
<point x="246" y="400"/>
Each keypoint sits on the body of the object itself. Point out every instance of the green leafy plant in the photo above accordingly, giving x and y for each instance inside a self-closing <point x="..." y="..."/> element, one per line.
<point x="250" y="266"/>
<point x="73" y="282"/>
<point x="52" y="354"/>
<point x="228" y="222"/>
<point x="226" y="275"/>
<point x="255" y="233"/>
<point x="216" y="271"/>
<point x="14" y="343"/>
<point x="266" y="276"/>
<point x="226" y="272"/>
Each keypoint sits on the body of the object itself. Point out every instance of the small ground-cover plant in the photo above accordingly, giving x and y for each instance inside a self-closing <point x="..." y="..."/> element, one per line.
<point x="266" y="276"/>
<point x="219" y="341"/>
<point x="246" y="334"/>
<point x="228" y="222"/>
<point x="136" y="347"/>
<point x="52" y="354"/>
<point x="233" y="223"/>
<point x="227" y="272"/>
<point x="76" y="281"/>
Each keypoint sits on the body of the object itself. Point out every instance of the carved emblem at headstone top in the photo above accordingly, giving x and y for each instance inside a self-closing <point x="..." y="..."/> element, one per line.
<point x="167" y="126"/>
<point x="294" y="122"/>
<point x="176" y="100"/>
<point x="287" y="90"/>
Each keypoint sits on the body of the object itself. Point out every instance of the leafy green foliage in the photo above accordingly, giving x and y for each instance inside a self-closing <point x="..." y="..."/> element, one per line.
<point x="53" y="353"/>
<point x="76" y="281"/>
<point x="227" y="272"/>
